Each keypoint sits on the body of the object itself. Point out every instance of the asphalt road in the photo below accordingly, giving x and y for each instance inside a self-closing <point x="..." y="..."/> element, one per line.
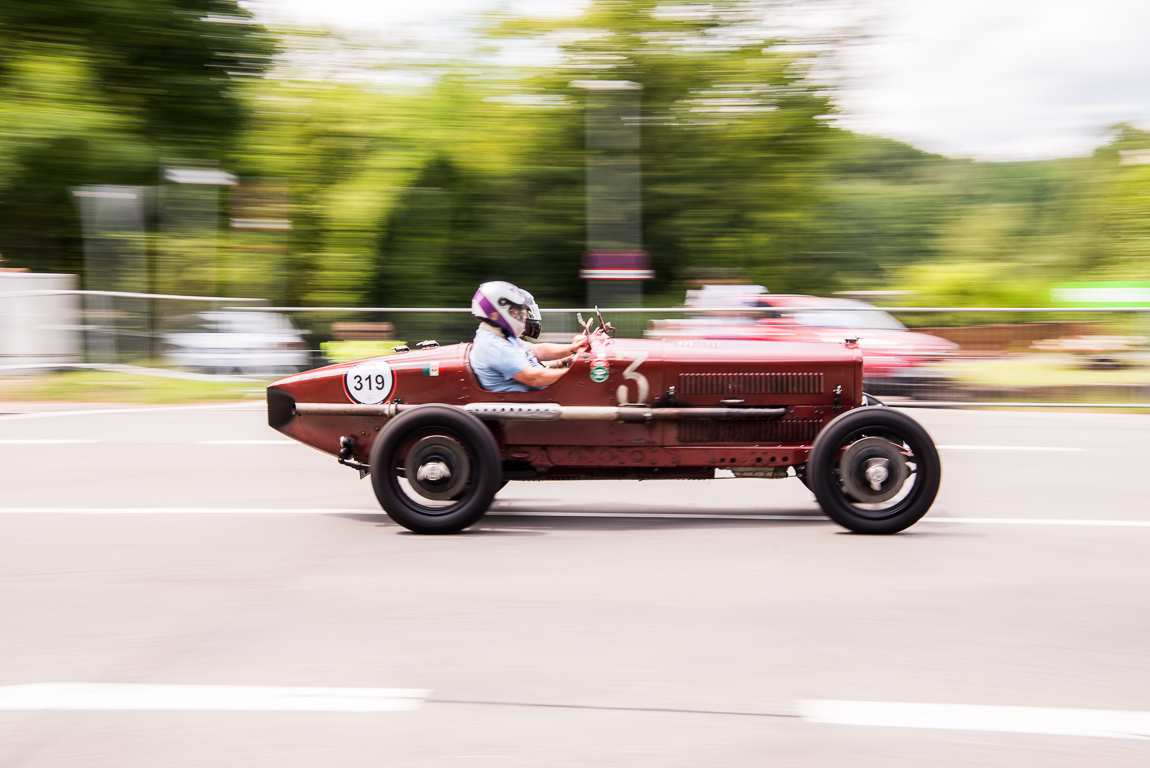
<point x="676" y="623"/>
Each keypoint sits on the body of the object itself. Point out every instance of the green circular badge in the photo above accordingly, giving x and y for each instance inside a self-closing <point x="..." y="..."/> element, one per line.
<point x="599" y="374"/>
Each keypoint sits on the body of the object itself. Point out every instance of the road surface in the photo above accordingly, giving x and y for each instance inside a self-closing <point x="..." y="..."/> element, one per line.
<point x="184" y="587"/>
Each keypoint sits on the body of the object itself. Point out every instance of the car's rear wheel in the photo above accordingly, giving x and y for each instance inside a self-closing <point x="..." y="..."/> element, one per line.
<point x="435" y="469"/>
<point x="874" y="470"/>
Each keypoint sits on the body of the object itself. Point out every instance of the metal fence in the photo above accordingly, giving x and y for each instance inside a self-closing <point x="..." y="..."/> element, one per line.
<point x="96" y="327"/>
<point x="1019" y="355"/>
<point x="1050" y="355"/>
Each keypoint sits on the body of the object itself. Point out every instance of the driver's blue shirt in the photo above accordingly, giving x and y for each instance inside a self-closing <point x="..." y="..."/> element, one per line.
<point x="496" y="359"/>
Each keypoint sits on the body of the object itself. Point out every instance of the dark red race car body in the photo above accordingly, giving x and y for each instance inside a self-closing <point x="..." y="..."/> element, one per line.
<point x="627" y="408"/>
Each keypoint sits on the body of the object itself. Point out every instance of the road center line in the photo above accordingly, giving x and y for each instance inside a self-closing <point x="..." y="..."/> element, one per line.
<point x="1006" y="448"/>
<point x="821" y="519"/>
<point x="1038" y="521"/>
<point x="70" y="441"/>
<point x="130" y="697"/>
<point x="205" y="698"/>
<point x="47" y="441"/>
<point x="247" y="405"/>
<point x="813" y="518"/>
<point x="1102" y="723"/>
<point x="179" y="511"/>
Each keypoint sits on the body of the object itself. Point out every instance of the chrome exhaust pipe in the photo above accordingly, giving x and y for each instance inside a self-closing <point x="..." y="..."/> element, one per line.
<point x="552" y="412"/>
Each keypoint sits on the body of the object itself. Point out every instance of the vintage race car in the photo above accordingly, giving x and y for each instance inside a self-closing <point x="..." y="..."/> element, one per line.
<point x="438" y="447"/>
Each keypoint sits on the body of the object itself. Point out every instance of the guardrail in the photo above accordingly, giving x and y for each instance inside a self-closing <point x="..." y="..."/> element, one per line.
<point x="93" y="327"/>
<point x="1005" y="356"/>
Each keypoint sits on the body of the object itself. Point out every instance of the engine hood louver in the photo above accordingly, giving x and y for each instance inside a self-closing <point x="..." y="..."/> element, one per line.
<point x="704" y="384"/>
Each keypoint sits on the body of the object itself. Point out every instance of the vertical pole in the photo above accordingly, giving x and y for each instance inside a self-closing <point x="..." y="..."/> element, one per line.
<point x="115" y="259"/>
<point x="614" y="263"/>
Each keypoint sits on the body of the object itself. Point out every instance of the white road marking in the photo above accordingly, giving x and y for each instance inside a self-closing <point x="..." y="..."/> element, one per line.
<point x="1005" y="448"/>
<point x="47" y="441"/>
<point x="248" y="405"/>
<point x="246" y="442"/>
<point x="719" y="473"/>
<point x="822" y="519"/>
<point x="205" y="698"/>
<point x="68" y="441"/>
<point x="657" y="516"/>
<point x="180" y="511"/>
<point x="815" y="518"/>
<point x="1038" y="521"/>
<point x="1103" y="723"/>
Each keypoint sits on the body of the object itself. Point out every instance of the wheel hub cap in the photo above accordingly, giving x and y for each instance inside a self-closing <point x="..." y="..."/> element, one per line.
<point x="873" y="470"/>
<point x="876" y="473"/>
<point x="437" y="467"/>
<point x="433" y="472"/>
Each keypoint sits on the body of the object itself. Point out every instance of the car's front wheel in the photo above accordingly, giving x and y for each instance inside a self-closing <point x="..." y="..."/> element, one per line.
<point x="874" y="470"/>
<point x="435" y="469"/>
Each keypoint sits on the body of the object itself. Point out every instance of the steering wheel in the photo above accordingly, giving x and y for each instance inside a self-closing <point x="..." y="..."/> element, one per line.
<point x="604" y="326"/>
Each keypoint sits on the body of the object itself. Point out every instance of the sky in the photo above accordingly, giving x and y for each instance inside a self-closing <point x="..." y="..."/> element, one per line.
<point x="986" y="79"/>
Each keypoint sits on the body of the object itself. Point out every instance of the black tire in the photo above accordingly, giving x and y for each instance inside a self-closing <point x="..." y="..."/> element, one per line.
<point x="886" y="435"/>
<point x="436" y="503"/>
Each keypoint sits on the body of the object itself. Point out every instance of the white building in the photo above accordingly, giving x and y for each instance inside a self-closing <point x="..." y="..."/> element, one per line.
<point x="39" y="326"/>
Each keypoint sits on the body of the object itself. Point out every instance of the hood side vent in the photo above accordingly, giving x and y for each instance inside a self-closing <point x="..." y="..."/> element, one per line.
<point x="787" y="431"/>
<point x="750" y="384"/>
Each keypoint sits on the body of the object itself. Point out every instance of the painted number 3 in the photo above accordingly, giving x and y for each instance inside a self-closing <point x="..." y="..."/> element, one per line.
<point x="632" y="374"/>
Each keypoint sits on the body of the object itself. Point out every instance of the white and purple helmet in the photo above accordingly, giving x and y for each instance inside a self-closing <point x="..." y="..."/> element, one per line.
<point x="503" y="304"/>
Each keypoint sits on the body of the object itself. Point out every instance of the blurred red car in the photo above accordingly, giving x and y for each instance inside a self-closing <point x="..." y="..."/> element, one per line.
<point x="896" y="360"/>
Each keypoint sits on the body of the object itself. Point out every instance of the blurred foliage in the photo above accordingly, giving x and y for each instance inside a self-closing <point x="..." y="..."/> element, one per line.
<point x="102" y="92"/>
<point x="346" y="351"/>
<point x="410" y="196"/>
<point x="167" y="63"/>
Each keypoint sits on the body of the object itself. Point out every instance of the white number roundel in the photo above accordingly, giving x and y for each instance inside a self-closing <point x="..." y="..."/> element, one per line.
<point x="369" y="382"/>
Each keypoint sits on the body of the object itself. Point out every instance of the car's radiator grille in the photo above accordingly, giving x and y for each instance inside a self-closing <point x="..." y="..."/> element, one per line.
<point x="789" y="431"/>
<point x="750" y="383"/>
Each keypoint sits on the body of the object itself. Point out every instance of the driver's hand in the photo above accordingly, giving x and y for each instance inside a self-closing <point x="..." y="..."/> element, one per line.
<point x="579" y="342"/>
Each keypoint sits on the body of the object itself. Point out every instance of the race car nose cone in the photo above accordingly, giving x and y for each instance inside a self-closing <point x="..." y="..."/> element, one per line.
<point x="876" y="473"/>
<point x="433" y="472"/>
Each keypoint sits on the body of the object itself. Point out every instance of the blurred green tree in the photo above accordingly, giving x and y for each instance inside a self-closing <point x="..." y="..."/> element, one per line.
<point x="733" y="158"/>
<point x="101" y="92"/>
<point x="411" y="196"/>
<point x="1125" y="226"/>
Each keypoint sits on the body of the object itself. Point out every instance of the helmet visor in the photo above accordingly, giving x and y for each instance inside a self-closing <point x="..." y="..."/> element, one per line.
<point x="517" y="311"/>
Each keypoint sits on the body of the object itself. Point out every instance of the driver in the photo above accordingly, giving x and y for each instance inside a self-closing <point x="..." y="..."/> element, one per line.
<point x="501" y="359"/>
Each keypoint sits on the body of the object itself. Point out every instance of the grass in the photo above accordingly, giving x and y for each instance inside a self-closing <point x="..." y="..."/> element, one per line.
<point x="119" y="387"/>
<point x="1042" y="370"/>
